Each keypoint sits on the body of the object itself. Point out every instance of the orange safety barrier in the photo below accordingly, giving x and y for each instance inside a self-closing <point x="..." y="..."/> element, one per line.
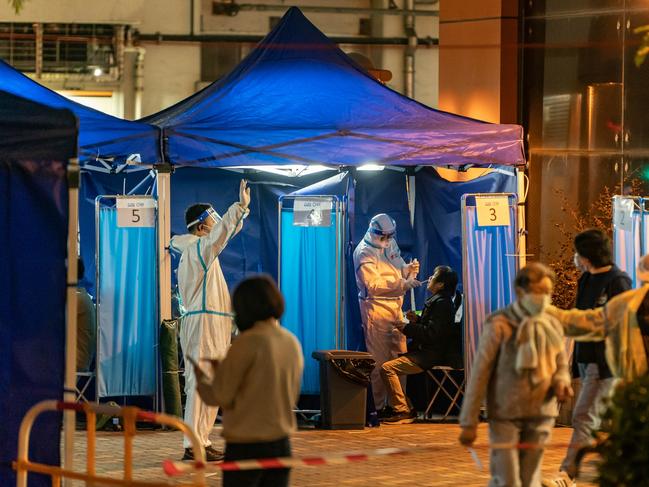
<point x="130" y="414"/>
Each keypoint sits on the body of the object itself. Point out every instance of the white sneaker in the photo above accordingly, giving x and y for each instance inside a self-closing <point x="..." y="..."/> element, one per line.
<point x="561" y="480"/>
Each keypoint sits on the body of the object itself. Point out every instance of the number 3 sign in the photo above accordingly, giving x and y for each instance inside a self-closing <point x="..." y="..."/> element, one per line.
<point x="493" y="211"/>
<point x="135" y="212"/>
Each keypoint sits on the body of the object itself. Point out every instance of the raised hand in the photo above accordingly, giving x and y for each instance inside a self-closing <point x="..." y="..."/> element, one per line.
<point x="244" y="193"/>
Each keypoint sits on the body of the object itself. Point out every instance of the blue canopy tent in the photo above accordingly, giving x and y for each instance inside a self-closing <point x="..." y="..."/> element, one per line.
<point x="105" y="142"/>
<point x="298" y="99"/>
<point x="36" y="143"/>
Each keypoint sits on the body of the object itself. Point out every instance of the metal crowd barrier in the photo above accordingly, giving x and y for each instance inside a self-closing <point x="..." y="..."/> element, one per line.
<point x="130" y="414"/>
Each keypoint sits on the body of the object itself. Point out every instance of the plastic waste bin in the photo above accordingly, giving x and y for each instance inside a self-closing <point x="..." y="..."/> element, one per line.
<point x="344" y="376"/>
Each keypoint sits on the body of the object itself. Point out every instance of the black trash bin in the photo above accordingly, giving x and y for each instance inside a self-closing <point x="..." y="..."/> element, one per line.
<point x="344" y="376"/>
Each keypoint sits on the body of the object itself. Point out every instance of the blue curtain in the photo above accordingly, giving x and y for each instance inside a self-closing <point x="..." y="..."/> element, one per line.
<point x="628" y="244"/>
<point x="308" y="282"/>
<point x="438" y="220"/>
<point x="128" y="311"/>
<point x="253" y="250"/>
<point x="94" y="184"/>
<point x="33" y="229"/>
<point x="490" y="268"/>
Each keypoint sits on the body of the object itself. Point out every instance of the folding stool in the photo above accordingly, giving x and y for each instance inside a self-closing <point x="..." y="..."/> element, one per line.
<point x="451" y="388"/>
<point x="83" y="381"/>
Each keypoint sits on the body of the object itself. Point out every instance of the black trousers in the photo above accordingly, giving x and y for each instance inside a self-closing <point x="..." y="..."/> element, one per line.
<point x="257" y="478"/>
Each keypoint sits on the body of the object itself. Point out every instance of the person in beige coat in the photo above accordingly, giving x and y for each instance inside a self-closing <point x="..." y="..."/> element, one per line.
<point x="522" y="369"/>
<point x="621" y="322"/>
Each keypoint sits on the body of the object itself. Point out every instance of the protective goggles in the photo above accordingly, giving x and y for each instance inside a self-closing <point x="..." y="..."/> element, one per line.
<point x="381" y="233"/>
<point x="210" y="212"/>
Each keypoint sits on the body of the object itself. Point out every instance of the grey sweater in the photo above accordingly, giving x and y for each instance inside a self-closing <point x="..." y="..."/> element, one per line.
<point x="510" y="395"/>
<point x="257" y="384"/>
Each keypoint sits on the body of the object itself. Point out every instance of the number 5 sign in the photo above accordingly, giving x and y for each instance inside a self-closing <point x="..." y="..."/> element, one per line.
<point x="493" y="211"/>
<point x="135" y="212"/>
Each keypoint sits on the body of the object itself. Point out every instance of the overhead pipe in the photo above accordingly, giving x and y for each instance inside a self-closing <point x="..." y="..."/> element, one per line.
<point x="139" y="82"/>
<point x="409" y="55"/>
<point x="233" y="9"/>
<point x="191" y="17"/>
<point x="255" y="38"/>
<point x="38" y="58"/>
<point x="138" y="72"/>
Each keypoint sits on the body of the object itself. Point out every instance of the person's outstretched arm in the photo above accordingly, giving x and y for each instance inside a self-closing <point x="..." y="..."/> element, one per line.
<point x="230" y="224"/>
<point x="380" y="286"/>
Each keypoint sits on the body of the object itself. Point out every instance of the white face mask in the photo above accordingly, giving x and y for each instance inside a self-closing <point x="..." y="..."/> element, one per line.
<point x="381" y="244"/>
<point x="535" y="304"/>
<point x="580" y="267"/>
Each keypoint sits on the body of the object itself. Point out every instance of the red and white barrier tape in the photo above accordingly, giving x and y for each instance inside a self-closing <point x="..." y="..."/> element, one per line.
<point x="174" y="469"/>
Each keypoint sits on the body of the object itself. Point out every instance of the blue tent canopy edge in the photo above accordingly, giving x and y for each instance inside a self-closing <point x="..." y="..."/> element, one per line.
<point x="298" y="99"/>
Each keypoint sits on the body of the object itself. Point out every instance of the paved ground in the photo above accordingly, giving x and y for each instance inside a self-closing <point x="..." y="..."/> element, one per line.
<point x="447" y="465"/>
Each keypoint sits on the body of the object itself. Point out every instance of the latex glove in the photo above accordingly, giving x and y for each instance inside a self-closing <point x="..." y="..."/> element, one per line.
<point x="244" y="194"/>
<point x="468" y="435"/>
<point x="412" y="317"/>
<point x="411" y="283"/>
<point x="412" y="269"/>
<point x="563" y="391"/>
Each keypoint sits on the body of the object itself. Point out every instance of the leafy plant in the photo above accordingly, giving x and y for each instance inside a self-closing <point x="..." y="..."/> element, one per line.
<point x="643" y="50"/>
<point x="17" y="4"/>
<point x="625" y="452"/>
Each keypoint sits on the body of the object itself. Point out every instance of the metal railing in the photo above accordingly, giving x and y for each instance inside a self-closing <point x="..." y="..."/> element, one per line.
<point x="130" y="415"/>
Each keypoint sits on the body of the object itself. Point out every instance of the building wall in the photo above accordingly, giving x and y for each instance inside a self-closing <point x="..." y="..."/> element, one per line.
<point x="173" y="70"/>
<point x="478" y="59"/>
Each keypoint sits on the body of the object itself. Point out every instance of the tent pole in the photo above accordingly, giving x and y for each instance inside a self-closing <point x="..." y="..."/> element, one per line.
<point x="409" y="56"/>
<point x="151" y="174"/>
<point x="163" y="191"/>
<point x="163" y="177"/>
<point x="521" y="224"/>
<point x="410" y="189"/>
<point x="71" y="315"/>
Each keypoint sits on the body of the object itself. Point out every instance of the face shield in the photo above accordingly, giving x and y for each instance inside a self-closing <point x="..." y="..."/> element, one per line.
<point x="382" y="230"/>
<point x="203" y="217"/>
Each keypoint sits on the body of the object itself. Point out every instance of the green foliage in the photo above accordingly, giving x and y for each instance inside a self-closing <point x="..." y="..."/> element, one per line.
<point x="625" y="453"/>
<point x="598" y="215"/>
<point x="17" y="4"/>
<point x="643" y="50"/>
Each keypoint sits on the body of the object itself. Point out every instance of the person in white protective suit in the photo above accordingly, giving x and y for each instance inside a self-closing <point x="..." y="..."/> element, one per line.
<point x="206" y="323"/>
<point x="382" y="278"/>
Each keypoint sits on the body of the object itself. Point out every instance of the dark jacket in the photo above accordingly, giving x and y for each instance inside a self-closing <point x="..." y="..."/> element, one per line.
<point x="436" y="339"/>
<point x="594" y="290"/>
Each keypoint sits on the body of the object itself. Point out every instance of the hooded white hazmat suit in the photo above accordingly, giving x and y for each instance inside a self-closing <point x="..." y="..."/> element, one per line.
<point x="382" y="280"/>
<point x="206" y="324"/>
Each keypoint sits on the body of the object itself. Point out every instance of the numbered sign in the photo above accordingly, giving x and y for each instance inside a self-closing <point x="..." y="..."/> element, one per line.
<point x="493" y="211"/>
<point x="312" y="212"/>
<point x="135" y="212"/>
<point x="623" y="213"/>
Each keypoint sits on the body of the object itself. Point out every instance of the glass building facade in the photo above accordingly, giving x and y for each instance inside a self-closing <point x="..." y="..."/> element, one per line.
<point x="585" y="105"/>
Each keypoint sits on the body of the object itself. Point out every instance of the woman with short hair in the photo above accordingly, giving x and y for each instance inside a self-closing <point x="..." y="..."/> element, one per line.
<point x="257" y="384"/>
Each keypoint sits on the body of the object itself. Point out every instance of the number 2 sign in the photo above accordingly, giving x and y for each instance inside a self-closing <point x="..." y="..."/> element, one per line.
<point x="493" y="211"/>
<point x="623" y="213"/>
<point x="135" y="212"/>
